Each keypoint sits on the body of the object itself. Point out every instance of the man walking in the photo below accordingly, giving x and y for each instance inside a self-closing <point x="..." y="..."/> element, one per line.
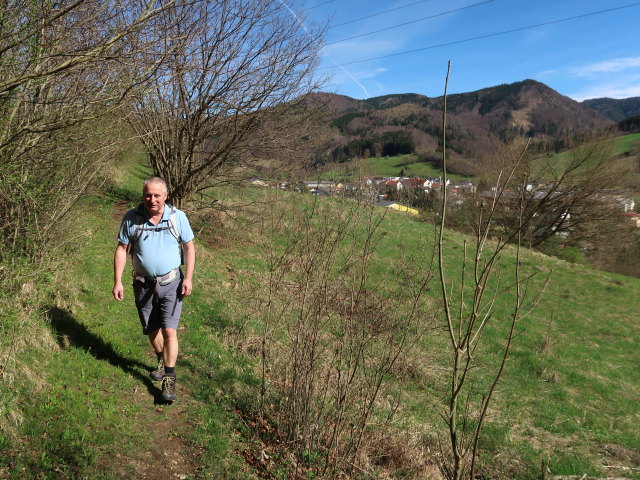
<point x="153" y="234"/>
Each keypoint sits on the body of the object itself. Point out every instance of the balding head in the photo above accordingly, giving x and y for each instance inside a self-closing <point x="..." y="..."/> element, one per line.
<point x="155" y="181"/>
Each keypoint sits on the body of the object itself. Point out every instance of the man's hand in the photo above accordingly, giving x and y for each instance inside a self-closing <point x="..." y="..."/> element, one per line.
<point x="189" y="263"/>
<point x="118" y="291"/>
<point x="186" y="287"/>
<point x="119" y="261"/>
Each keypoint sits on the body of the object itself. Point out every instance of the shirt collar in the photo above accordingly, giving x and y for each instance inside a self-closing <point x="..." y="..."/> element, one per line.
<point x="167" y="212"/>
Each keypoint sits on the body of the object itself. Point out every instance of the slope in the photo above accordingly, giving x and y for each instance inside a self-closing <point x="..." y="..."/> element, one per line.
<point x="89" y="410"/>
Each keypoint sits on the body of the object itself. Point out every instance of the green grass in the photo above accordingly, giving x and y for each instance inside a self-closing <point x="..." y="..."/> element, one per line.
<point x="569" y="394"/>
<point x="95" y="406"/>
<point x="619" y="145"/>
<point x="625" y="142"/>
<point x="387" y="167"/>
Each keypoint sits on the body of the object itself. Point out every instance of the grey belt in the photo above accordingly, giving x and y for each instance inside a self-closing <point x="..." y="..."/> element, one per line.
<point x="165" y="279"/>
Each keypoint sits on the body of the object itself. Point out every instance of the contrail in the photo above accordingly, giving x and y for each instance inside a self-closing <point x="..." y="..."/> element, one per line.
<point x="335" y="64"/>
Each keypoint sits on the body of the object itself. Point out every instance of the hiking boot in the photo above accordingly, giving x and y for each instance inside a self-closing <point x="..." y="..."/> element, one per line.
<point x="169" y="388"/>
<point x="158" y="373"/>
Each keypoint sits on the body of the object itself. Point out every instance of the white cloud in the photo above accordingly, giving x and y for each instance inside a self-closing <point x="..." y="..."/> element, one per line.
<point x="548" y="73"/>
<point x="597" y="69"/>
<point x="616" y="90"/>
<point x="342" y="75"/>
<point x="345" y="52"/>
<point x="338" y="54"/>
<point x="535" y="36"/>
<point x="612" y="78"/>
<point x="364" y="74"/>
<point x="363" y="79"/>
<point x="607" y="66"/>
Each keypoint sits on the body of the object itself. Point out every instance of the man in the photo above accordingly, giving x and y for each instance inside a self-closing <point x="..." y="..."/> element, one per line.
<point x="153" y="233"/>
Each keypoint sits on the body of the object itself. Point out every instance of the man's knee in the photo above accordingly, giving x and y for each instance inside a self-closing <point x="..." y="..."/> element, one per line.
<point x="169" y="333"/>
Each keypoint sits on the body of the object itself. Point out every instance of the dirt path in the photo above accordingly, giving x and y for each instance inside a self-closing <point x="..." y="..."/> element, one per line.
<point x="166" y="454"/>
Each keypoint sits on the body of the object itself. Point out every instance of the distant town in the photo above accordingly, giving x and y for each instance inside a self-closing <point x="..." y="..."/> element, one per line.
<point x="385" y="192"/>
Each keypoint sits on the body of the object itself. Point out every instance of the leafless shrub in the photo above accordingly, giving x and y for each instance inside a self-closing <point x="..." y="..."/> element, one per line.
<point x="332" y="333"/>
<point x="468" y="313"/>
<point x="400" y="451"/>
<point x="39" y="192"/>
<point x="572" y="195"/>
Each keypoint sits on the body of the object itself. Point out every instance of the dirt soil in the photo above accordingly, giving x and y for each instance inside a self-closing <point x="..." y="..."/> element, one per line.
<point x="166" y="453"/>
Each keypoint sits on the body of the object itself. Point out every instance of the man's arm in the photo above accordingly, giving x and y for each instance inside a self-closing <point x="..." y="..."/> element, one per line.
<point x="189" y="264"/>
<point x="119" y="262"/>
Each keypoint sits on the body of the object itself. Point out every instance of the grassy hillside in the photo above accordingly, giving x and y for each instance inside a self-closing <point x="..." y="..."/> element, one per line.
<point x="393" y="166"/>
<point x="407" y="165"/>
<point x="624" y="144"/>
<point x="80" y="404"/>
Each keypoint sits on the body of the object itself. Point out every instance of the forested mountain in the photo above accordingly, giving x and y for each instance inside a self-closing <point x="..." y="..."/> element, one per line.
<point x="477" y="122"/>
<point x="615" y="109"/>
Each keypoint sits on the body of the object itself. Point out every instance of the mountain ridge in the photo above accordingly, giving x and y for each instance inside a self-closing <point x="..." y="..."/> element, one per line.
<point x="477" y="122"/>
<point x="614" y="108"/>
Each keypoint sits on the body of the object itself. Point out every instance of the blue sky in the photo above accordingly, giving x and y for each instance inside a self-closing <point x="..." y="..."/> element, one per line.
<point x="589" y="57"/>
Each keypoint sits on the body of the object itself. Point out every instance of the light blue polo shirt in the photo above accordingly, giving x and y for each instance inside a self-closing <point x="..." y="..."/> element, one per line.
<point x="156" y="251"/>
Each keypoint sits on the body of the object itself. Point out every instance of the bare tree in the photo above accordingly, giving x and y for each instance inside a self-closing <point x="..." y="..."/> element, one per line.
<point x="472" y="309"/>
<point x="572" y="197"/>
<point x="42" y="40"/>
<point x="236" y="70"/>
<point x="63" y="65"/>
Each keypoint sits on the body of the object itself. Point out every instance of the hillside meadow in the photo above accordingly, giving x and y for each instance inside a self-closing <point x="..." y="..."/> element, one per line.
<point x="391" y="166"/>
<point x="626" y="146"/>
<point x="410" y="165"/>
<point x="77" y="401"/>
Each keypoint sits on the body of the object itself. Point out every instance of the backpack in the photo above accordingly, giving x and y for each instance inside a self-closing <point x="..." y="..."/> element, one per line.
<point x="172" y="226"/>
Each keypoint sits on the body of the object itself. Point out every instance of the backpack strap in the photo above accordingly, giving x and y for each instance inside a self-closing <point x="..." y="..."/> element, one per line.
<point x="173" y="224"/>
<point x="173" y="228"/>
<point x="139" y="222"/>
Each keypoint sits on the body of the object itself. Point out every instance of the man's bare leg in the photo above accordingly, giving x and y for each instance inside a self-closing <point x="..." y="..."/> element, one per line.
<point x="170" y="338"/>
<point x="157" y="341"/>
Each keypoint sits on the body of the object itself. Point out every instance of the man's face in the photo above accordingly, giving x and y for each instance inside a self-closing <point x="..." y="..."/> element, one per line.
<point x="154" y="197"/>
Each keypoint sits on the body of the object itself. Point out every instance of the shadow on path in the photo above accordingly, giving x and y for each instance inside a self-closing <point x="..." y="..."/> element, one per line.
<point x="67" y="328"/>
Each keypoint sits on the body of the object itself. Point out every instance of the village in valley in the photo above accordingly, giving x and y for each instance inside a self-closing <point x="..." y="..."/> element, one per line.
<point x="399" y="193"/>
